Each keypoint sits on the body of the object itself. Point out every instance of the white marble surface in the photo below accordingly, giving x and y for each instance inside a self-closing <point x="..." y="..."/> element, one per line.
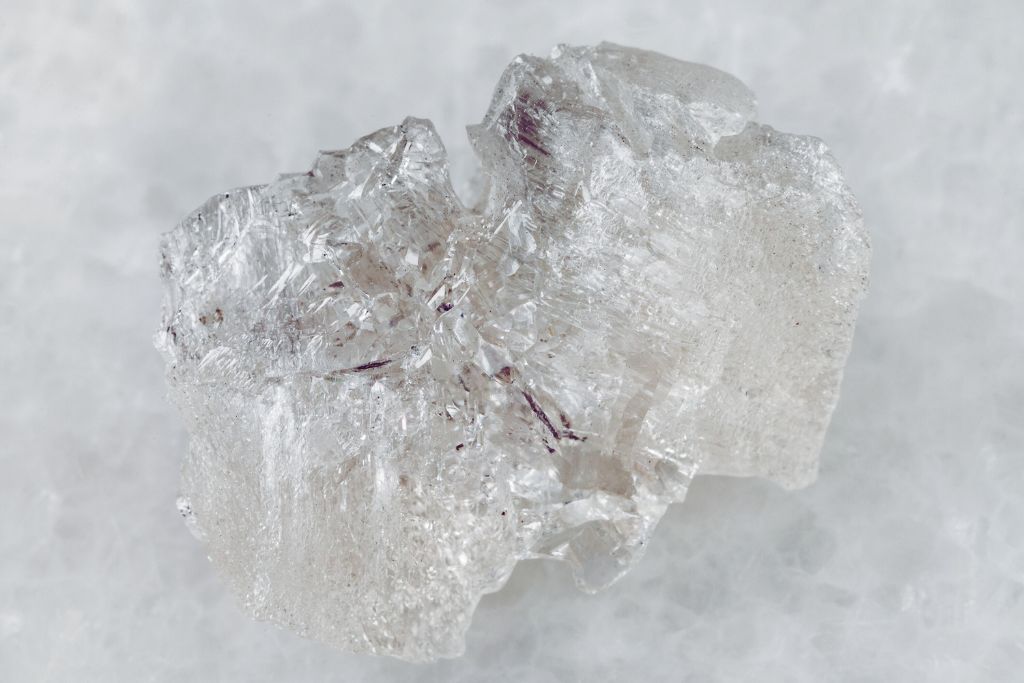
<point x="905" y="562"/>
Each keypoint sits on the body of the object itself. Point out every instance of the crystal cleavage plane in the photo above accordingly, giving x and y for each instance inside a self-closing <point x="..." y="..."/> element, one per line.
<point x="392" y="398"/>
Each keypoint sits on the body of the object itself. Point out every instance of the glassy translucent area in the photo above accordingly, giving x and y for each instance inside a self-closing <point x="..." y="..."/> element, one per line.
<point x="392" y="398"/>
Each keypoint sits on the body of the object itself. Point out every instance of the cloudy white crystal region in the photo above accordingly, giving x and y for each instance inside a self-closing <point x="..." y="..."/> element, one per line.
<point x="393" y="398"/>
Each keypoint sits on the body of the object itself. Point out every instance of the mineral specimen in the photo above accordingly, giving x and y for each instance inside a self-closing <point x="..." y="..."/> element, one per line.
<point x="393" y="398"/>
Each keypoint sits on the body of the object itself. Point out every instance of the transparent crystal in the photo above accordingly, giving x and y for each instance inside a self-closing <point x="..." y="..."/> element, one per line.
<point x="393" y="398"/>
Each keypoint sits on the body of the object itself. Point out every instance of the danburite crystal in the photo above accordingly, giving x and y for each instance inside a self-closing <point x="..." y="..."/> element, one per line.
<point x="393" y="398"/>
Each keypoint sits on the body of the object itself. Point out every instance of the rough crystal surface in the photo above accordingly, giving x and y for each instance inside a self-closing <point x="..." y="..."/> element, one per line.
<point x="393" y="398"/>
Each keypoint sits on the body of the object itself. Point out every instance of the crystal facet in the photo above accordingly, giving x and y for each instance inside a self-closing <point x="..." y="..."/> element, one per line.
<point x="393" y="398"/>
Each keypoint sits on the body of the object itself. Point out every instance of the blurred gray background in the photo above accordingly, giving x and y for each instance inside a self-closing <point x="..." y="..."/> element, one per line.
<point x="905" y="562"/>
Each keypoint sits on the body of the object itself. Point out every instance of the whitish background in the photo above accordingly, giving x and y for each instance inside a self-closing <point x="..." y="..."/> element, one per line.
<point x="903" y="563"/>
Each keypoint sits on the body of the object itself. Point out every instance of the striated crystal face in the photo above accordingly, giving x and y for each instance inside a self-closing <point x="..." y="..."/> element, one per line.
<point x="393" y="398"/>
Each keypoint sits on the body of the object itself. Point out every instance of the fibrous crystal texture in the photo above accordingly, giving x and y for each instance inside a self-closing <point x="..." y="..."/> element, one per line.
<point x="393" y="397"/>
